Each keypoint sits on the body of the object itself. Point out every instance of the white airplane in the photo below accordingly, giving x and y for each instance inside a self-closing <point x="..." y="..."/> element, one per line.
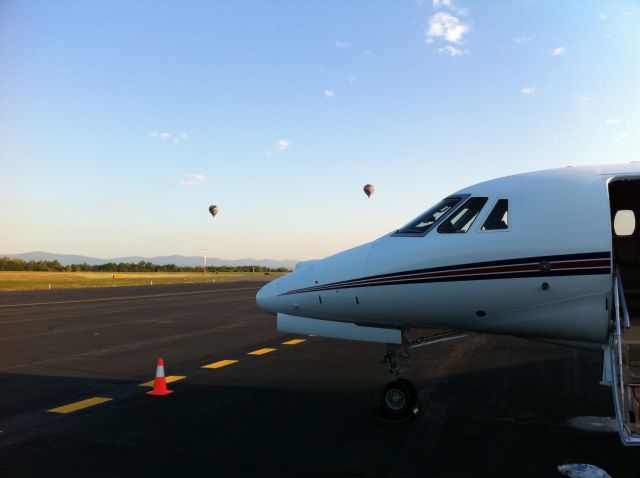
<point x="551" y="255"/>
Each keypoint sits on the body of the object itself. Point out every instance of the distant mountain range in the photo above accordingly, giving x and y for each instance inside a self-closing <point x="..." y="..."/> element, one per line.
<point x="181" y="261"/>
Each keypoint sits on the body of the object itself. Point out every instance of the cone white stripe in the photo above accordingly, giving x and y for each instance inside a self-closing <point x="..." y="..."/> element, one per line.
<point x="160" y="371"/>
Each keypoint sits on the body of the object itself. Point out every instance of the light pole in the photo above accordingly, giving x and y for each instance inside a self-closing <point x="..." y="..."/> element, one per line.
<point x="204" y="261"/>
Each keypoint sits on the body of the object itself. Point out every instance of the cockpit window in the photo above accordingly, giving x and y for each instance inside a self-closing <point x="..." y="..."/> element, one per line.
<point x="429" y="218"/>
<point x="462" y="219"/>
<point x="498" y="219"/>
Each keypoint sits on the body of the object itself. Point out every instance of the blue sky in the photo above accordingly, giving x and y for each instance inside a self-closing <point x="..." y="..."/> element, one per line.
<point x="121" y="122"/>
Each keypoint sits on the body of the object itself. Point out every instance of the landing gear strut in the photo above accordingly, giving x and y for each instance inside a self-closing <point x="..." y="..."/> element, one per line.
<point x="399" y="397"/>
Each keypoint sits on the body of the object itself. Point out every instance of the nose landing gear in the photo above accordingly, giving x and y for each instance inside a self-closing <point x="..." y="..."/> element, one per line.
<point x="399" y="398"/>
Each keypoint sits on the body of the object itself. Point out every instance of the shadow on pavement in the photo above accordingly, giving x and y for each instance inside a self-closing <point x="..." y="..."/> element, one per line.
<point x="496" y="422"/>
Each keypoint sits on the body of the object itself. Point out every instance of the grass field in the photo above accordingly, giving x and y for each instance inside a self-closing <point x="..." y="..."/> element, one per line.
<point x="10" y="281"/>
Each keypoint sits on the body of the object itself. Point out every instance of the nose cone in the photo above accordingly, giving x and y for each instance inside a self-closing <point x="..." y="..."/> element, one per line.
<point x="266" y="298"/>
<point x="271" y="299"/>
<point x="291" y="293"/>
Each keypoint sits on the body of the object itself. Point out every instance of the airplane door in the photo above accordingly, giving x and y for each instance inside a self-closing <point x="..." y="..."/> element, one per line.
<point x="624" y="345"/>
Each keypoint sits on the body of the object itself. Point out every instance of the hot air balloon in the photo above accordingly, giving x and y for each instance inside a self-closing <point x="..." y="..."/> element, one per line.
<point x="368" y="189"/>
<point x="214" y="210"/>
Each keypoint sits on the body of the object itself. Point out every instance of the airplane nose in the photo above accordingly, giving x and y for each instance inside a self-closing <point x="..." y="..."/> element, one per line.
<point x="266" y="298"/>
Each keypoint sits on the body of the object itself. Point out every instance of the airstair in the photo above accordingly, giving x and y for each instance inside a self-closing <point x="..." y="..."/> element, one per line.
<point x="622" y="360"/>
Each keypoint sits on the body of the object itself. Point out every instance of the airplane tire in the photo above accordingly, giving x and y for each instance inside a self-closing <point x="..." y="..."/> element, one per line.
<point x="411" y="388"/>
<point x="398" y="400"/>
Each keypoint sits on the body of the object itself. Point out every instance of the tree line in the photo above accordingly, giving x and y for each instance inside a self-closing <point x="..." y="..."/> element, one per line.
<point x="9" y="264"/>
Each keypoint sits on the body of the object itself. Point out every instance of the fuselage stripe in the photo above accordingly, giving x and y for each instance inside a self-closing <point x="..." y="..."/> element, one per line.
<point x="582" y="264"/>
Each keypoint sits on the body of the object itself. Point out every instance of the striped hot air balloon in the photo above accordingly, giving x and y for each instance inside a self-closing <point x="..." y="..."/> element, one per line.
<point x="214" y="210"/>
<point x="368" y="189"/>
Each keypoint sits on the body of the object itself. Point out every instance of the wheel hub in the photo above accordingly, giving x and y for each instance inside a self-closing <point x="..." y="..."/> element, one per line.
<point x="395" y="399"/>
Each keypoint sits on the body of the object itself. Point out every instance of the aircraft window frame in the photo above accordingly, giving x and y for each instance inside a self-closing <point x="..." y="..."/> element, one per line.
<point x="495" y="205"/>
<point x="468" y="224"/>
<point x="402" y="232"/>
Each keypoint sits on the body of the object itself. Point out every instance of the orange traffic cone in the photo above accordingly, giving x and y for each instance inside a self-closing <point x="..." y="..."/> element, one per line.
<point x="160" y="382"/>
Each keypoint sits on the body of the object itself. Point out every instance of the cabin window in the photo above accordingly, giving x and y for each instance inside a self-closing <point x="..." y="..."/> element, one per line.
<point x="462" y="219"/>
<point x="498" y="218"/>
<point x="428" y="219"/>
<point x="624" y="223"/>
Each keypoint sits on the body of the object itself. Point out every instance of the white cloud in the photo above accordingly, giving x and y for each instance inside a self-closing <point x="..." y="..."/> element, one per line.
<point x="163" y="136"/>
<point x="528" y="91"/>
<point x="343" y="44"/>
<point x="192" y="179"/>
<point x="119" y="204"/>
<point x="23" y="202"/>
<point x="175" y="138"/>
<point x="283" y="144"/>
<point x="603" y="17"/>
<point x="620" y="138"/>
<point x="450" y="4"/>
<point x="523" y="39"/>
<point x="453" y="51"/>
<point x="613" y="121"/>
<point x="446" y="26"/>
<point x="181" y="137"/>
<point x="329" y="93"/>
<point x="558" y="51"/>
<point x="585" y="101"/>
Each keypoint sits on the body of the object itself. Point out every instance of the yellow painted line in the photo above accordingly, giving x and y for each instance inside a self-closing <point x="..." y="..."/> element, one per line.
<point x="294" y="342"/>
<point x="170" y="378"/>
<point x="261" y="351"/>
<point x="74" y="407"/>
<point x="220" y="364"/>
<point x="128" y="297"/>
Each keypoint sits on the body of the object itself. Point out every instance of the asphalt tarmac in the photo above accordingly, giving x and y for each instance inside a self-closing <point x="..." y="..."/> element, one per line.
<point x="490" y="406"/>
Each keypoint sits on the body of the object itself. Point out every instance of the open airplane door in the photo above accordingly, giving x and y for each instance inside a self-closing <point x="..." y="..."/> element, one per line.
<point x="622" y="355"/>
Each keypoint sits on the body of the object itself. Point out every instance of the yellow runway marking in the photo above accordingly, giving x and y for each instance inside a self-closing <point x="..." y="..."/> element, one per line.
<point x="128" y="297"/>
<point x="220" y="364"/>
<point x="261" y="351"/>
<point x="294" y="342"/>
<point x="73" y="407"/>
<point x="170" y="378"/>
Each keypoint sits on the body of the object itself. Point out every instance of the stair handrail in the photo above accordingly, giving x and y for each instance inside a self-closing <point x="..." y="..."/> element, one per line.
<point x="628" y="437"/>
<point x="622" y="299"/>
<point x="616" y="299"/>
